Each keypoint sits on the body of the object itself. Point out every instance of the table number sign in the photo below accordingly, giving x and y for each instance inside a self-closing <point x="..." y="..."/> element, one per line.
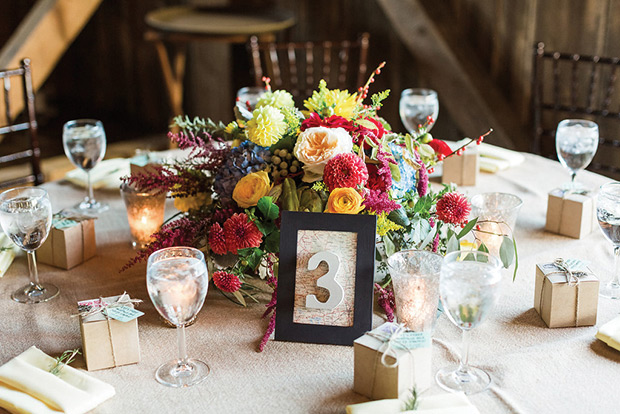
<point x="325" y="282"/>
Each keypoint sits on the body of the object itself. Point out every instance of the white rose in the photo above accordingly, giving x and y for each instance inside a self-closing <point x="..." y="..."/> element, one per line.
<point x="315" y="146"/>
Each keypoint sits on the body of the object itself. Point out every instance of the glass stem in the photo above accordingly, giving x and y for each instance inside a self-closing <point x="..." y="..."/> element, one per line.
<point x="182" y="347"/>
<point x="464" y="362"/>
<point x="90" y="187"/>
<point x="615" y="282"/>
<point x="34" y="273"/>
<point x="572" y="177"/>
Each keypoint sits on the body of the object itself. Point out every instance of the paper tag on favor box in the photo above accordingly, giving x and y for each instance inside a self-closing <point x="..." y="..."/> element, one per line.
<point x="123" y="313"/>
<point x="413" y="340"/>
<point x="63" y="223"/>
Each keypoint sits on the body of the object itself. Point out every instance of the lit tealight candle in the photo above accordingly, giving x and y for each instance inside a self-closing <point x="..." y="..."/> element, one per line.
<point x="145" y="213"/>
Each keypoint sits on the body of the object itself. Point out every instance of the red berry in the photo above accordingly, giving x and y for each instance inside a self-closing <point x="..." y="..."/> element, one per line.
<point x="431" y="170"/>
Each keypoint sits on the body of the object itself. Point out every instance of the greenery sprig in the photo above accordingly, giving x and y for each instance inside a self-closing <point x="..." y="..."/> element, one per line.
<point x="66" y="358"/>
<point x="411" y="403"/>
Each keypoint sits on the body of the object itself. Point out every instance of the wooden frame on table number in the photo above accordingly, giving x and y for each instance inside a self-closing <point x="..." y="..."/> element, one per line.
<point x="325" y="278"/>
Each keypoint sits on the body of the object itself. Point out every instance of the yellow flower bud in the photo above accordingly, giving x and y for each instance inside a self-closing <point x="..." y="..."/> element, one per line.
<point x="251" y="188"/>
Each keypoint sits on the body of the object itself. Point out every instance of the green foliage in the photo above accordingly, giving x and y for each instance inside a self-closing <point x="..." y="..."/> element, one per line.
<point x="199" y="125"/>
<point x="65" y="359"/>
<point x="411" y="403"/>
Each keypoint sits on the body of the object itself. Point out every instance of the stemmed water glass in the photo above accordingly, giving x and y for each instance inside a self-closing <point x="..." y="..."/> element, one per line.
<point x="84" y="142"/>
<point x="608" y="214"/>
<point x="26" y="218"/>
<point x="250" y="95"/>
<point x="576" y="141"/>
<point x="469" y="288"/>
<point x="177" y="282"/>
<point x="415" y="106"/>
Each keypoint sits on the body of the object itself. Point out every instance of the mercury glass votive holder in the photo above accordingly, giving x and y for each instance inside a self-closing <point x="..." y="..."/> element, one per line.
<point x="145" y="213"/>
<point x="497" y="216"/>
<point x="415" y="277"/>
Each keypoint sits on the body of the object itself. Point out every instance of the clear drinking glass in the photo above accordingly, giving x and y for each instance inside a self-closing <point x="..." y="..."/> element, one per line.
<point x="415" y="275"/>
<point x="84" y="142"/>
<point x="177" y="282"/>
<point x="469" y="288"/>
<point x="576" y="141"/>
<point x="26" y="218"/>
<point x="608" y="215"/>
<point x="250" y="95"/>
<point x="497" y="216"/>
<point x="415" y="106"/>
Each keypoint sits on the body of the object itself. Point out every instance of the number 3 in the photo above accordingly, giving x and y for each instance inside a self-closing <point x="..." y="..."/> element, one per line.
<point x="327" y="281"/>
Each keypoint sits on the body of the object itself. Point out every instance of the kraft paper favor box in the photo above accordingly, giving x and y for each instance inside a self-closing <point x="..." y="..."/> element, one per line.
<point x="106" y="342"/>
<point x="376" y="381"/>
<point x="570" y="214"/>
<point x="561" y="304"/>
<point x="463" y="169"/>
<point x="69" y="243"/>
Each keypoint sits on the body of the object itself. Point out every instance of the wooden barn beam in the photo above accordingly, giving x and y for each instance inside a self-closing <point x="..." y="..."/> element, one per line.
<point x="43" y="36"/>
<point x="469" y="94"/>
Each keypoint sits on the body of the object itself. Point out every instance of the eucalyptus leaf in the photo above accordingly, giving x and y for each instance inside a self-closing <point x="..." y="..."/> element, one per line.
<point x="453" y="244"/>
<point x="239" y="297"/>
<point x="483" y="248"/>
<point x="426" y="151"/>
<point x="467" y="228"/>
<point x="429" y="238"/>
<point x="507" y="251"/>
<point x="470" y="257"/>
<point x="390" y="249"/>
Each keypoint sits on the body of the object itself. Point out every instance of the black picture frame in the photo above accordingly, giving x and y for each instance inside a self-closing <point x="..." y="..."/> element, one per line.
<point x="365" y="227"/>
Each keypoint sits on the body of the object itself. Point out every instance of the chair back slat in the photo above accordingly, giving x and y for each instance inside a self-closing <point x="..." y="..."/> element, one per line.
<point x="581" y="86"/>
<point x="8" y="155"/>
<point x="298" y="66"/>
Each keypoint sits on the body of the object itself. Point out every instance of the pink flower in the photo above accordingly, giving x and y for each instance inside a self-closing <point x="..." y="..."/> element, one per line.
<point x="241" y="233"/>
<point x="217" y="239"/>
<point x="453" y="208"/>
<point x="345" y="170"/>
<point x="226" y="282"/>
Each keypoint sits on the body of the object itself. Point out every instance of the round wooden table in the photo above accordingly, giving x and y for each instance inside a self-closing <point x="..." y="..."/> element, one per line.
<point x="178" y="26"/>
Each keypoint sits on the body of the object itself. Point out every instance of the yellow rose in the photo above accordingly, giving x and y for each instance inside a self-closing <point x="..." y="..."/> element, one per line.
<point x="185" y="204"/>
<point x="251" y="188"/>
<point x="344" y="201"/>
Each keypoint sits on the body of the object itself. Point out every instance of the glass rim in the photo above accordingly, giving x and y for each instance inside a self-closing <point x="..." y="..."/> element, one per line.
<point x="519" y="201"/>
<point x="493" y="260"/>
<point x="84" y="121"/>
<point x="420" y="91"/>
<point x="427" y="253"/>
<point x="611" y="184"/>
<point x="153" y="257"/>
<point x="251" y="88"/>
<point x="4" y="195"/>
<point x="126" y="188"/>
<point x="586" y="121"/>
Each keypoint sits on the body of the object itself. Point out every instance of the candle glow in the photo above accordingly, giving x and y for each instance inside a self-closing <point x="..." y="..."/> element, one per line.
<point x="145" y="213"/>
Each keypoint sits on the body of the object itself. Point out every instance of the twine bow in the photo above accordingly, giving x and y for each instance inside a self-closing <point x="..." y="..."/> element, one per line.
<point x="572" y="276"/>
<point x="70" y="215"/>
<point x="389" y="340"/>
<point x="123" y="300"/>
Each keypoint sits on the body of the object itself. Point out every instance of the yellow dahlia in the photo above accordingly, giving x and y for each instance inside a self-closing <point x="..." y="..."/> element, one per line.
<point x="277" y="99"/>
<point x="332" y="102"/>
<point x="266" y="127"/>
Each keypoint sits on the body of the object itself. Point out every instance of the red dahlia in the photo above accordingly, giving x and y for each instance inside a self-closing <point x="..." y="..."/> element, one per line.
<point x="217" y="240"/>
<point x="345" y="170"/>
<point x="453" y="208"/>
<point x="241" y="233"/>
<point x="226" y="282"/>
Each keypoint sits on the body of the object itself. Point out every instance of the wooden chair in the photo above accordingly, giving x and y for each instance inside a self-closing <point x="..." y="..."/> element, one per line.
<point x="15" y="147"/>
<point x="569" y="85"/>
<point x="298" y="67"/>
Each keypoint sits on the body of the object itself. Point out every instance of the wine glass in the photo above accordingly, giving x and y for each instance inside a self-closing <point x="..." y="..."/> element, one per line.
<point x="84" y="142"/>
<point x="608" y="215"/>
<point x="469" y="286"/>
<point x="415" y="106"/>
<point x="26" y="218"/>
<point x="576" y="141"/>
<point x="250" y="95"/>
<point x="177" y="282"/>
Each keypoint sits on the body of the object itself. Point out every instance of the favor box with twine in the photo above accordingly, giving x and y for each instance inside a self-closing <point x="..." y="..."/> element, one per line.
<point x="570" y="213"/>
<point x="71" y="241"/>
<point x="378" y="377"/>
<point x="461" y="170"/>
<point x="566" y="299"/>
<point x="107" y="342"/>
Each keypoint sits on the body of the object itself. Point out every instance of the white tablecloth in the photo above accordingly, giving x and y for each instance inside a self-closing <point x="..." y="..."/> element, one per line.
<point x="534" y="369"/>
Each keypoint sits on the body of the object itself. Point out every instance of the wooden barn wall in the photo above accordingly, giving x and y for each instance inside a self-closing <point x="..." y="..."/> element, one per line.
<point x="112" y="73"/>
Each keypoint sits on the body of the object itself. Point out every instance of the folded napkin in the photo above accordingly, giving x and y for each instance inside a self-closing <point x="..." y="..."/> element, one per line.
<point x="7" y="253"/>
<point x="456" y="403"/>
<point x="610" y="333"/>
<point x="106" y="175"/>
<point x="493" y="158"/>
<point x="27" y="386"/>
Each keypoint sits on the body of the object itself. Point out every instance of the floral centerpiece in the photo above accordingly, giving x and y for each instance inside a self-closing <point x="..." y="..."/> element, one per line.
<point x="336" y="155"/>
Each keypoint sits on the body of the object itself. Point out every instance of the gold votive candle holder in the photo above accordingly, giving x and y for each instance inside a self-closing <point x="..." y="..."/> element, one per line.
<point x="145" y="213"/>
